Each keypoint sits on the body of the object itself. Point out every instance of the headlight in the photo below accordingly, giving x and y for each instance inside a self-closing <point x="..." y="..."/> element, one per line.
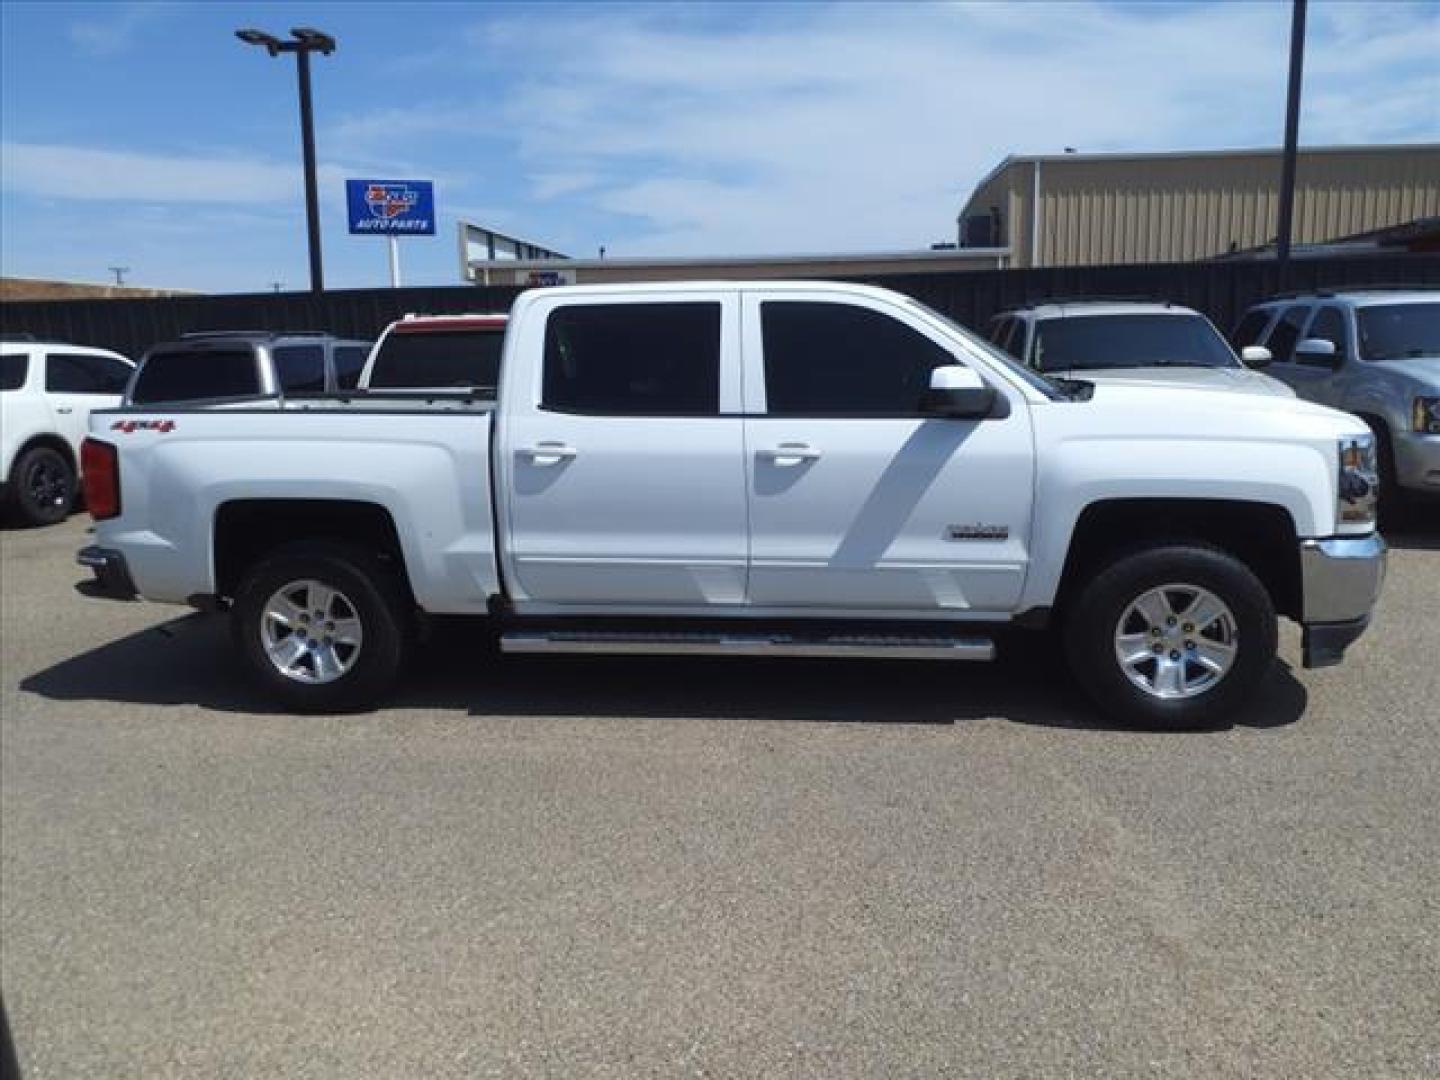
<point x="1359" y="481"/>
<point x="1425" y="415"/>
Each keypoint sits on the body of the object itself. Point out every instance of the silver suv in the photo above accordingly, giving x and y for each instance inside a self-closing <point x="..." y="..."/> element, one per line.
<point x="1129" y="341"/>
<point x="1371" y="352"/>
<point x="222" y="364"/>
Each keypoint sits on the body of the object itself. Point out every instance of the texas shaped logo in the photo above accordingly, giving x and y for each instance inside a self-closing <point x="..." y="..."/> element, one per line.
<point x="390" y="200"/>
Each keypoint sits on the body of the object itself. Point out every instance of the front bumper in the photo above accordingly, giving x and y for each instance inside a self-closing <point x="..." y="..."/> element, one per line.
<point x="1417" y="462"/>
<point x="112" y="576"/>
<point x="1341" y="578"/>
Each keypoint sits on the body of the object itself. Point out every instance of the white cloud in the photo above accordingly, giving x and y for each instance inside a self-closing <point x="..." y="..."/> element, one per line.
<point x="116" y="30"/>
<point x="73" y="172"/>
<point x="865" y="126"/>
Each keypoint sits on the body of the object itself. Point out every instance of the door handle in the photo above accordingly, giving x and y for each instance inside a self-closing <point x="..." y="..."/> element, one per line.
<point x="791" y="453"/>
<point x="549" y="453"/>
<point x="65" y="410"/>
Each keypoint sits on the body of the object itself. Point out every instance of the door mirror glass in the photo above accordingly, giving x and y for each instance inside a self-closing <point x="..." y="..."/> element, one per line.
<point x="957" y="392"/>
<point x="1315" y="351"/>
<point x="1255" y="356"/>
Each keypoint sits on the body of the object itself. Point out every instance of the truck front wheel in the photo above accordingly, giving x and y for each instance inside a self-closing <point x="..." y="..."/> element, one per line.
<point x="321" y="626"/>
<point x="1175" y="636"/>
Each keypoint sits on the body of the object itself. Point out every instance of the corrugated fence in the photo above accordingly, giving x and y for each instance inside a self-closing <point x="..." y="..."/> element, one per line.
<point x="1222" y="290"/>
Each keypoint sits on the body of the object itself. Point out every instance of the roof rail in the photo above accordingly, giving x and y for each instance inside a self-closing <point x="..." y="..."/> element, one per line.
<point x="1335" y="290"/>
<point x="1089" y="299"/>
<point x="194" y="334"/>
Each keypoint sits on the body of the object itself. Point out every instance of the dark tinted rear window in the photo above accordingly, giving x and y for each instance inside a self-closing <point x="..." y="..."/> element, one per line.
<point x="12" y="370"/>
<point x="193" y="374"/>
<point x="300" y="367"/>
<point x="349" y="363"/>
<point x="439" y="358"/>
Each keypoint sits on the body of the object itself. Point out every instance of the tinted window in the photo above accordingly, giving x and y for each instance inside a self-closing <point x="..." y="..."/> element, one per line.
<point x="1250" y="329"/>
<point x="76" y="373"/>
<point x="300" y="367"/>
<point x="834" y="359"/>
<point x="349" y="362"/>
<point x="13" y="367"/>
<point x="634" y="359"/>
<point x="438" y="359"/>
<point x="1287" y="332"/>
<point x="1391" y="330"/>
<point x="189" y="375"/>
<point x="1129" y="341"/>
<point x="999" y="331"/>
<point x="1328" y="325"/>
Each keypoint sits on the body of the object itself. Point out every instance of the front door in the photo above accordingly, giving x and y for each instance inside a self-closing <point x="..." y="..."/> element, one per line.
<point x="857" y="501"/>
<point x="622" y="464"/>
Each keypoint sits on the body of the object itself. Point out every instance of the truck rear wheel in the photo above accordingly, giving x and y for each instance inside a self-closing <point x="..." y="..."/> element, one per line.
<point x="322" y="626"/>
<point x="1174" y="636"/>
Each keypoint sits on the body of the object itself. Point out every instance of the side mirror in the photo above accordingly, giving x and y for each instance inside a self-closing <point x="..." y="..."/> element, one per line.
<point x="1315" y="351"/>
<point x="957" y="392"/>
<point x="1255" y="356"/>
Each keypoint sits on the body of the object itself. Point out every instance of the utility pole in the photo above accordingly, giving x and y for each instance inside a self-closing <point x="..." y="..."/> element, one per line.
<point x="1284" y="228"/>
<point x="119" y="272"/>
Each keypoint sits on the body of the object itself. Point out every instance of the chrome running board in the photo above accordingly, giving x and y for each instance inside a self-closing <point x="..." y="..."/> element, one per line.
<point x="866" y="646"/>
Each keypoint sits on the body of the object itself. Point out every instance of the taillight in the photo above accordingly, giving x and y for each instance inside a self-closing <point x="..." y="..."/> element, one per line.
<point x="100" y="473"/>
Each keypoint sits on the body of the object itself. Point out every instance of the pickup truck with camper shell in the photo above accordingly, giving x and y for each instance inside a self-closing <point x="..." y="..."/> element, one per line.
<point x="754" y="469"/>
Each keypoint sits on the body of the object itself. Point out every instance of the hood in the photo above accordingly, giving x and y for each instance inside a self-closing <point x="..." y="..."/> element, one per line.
<point x="1205" y="409"/>
<point x="1421" y="370"/>
<point x="1202" y="378"/>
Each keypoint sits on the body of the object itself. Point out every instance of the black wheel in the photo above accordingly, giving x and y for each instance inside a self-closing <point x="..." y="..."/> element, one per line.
<point x="42" y="486"/>
<point x="322" y="626"/>
<point x="1175" y="636"/>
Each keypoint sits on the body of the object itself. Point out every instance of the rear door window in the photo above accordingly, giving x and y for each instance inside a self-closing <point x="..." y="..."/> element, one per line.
<point x="633" y="359"/>
<point x="832" y="359"/>
<point x="82" y="373"/>
<point x="13" y="369"/>
<point x="438" y="359"/>
<point x="300" y="368"/>
<point x="194" y="374"/>
<point x="349" y="363"/>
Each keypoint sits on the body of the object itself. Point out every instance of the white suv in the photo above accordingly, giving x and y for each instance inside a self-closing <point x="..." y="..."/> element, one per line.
<point x="47" y="392"/>
<point x="1131" y="342"/>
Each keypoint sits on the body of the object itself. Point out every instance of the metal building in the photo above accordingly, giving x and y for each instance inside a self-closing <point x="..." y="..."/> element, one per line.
<point x="1096" y="209"/>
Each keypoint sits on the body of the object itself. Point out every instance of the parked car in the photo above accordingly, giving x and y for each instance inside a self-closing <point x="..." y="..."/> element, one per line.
<point x="47" y="391"/>
<point x="1129" y="341"/>
<point x="1371" y="352"/>
<point x="244" y="363"/>
<point x="755" y="469"/>
<point x="437" y="352"/>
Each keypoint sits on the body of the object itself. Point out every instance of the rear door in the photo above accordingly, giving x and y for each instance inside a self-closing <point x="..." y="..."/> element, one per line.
<point x="620" y="454"/>
<point x="77" y="383"/>
<point x="857" y="501"/>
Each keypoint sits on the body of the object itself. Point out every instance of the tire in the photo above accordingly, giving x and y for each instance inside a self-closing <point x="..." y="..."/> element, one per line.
<point x="1393" y="504"/>
<point x="1175" y="684"/>
<point x="349" y="669"/>
<point x="41" y="490"/>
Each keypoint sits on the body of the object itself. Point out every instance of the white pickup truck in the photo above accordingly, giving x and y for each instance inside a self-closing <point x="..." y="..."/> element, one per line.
<point x="777" y="469"/>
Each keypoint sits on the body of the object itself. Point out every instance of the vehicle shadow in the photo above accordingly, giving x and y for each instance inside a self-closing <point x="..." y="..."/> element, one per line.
<point x="190" y="661"/>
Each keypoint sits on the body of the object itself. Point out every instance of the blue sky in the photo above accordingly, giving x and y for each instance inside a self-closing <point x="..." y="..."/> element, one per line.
<point x="145" y="135"/>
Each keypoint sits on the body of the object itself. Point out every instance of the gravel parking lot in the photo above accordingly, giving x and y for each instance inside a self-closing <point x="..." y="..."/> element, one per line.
<point x="577" y="867"/>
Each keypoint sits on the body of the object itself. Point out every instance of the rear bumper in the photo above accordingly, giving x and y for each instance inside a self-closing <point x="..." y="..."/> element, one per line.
<point x="1341" y="577"/>
<point x="112" y="576"/>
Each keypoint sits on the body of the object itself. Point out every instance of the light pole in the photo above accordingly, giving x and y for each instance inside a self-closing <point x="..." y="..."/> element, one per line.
<point x="303" y="42"/>
<point x="1284" y="227"/>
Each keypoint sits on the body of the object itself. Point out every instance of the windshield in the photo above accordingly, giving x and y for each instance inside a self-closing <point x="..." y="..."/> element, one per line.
<point x="438" y="358"/>
<point x="1388" y="331"/>
<point x="1049" y="387"/>
<point x="193" y="374"/>
<point x="1094" y="342"/>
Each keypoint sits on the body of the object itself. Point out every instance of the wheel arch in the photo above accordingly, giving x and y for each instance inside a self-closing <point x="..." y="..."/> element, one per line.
<point x="1261" y="535"/>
